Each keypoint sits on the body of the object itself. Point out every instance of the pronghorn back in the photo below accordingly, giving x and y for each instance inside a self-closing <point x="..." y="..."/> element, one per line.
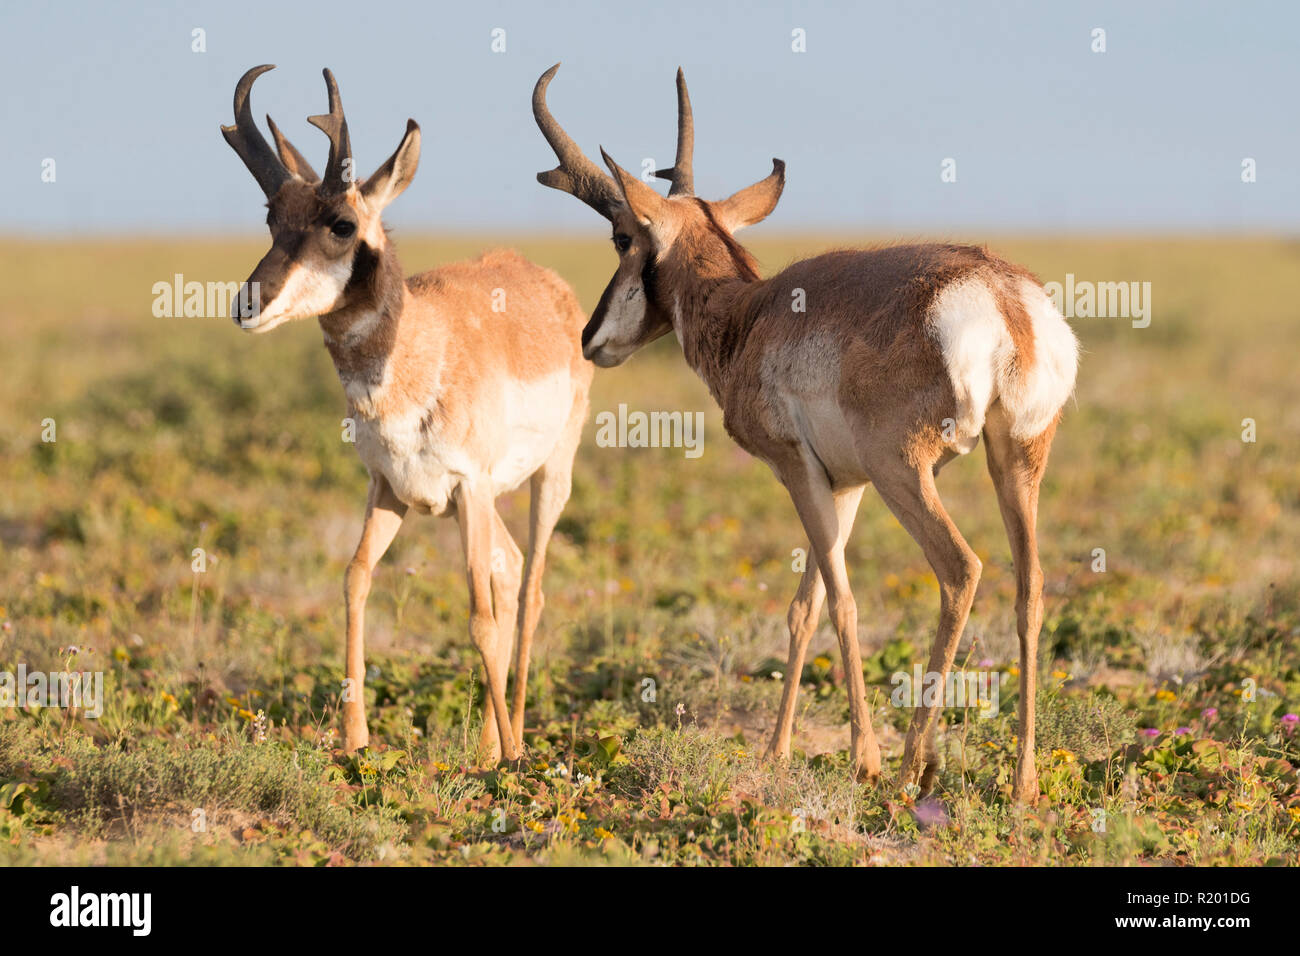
<point x="942" y="331"/>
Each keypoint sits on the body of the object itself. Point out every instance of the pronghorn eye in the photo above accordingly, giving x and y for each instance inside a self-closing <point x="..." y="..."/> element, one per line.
<point x="622" y="241"/>
<point x="343" y="228"/>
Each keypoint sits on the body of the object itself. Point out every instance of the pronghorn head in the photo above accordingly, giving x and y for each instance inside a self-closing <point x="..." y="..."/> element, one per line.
<point x="651" y="231"/>
<point x="327" y="236"/>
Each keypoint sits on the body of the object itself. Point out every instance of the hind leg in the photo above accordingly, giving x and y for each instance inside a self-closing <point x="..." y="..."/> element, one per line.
<point x="1017" y="467"/>
<point x="908" y="489"/>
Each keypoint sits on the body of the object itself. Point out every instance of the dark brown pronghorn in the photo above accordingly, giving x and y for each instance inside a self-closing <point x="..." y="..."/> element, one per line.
<point x="904" y="357"/>
<point x="463" y="383"/>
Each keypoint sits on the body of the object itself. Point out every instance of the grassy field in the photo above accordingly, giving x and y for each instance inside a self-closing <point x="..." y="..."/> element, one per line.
<point x="1168" y="677"/>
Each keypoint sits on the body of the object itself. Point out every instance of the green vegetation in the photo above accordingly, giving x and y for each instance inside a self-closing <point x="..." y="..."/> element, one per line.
<point x="1168" y="678"/>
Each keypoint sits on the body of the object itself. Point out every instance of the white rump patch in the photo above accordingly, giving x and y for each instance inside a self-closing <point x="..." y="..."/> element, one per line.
<point x="1035" y="401"/>
<point x="977" y="350"/>
<point x="981" y="359"/>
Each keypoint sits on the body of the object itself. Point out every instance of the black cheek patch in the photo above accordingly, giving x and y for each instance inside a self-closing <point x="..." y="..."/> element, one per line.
<point x="365" y="263"/>
<point x="650" y="278"/>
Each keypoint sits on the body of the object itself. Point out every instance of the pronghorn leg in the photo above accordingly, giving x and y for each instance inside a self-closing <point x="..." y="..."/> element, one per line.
<point x="805" y="611"/>
<point x="507" y="562"/>
<point x="1017" y="470"/>
<point x="476" y="515"/>
<point x="548" y="493"/>
<point x="384" y="515"/>
<point x="910" y="493"/>
<point x="819" y="512"/>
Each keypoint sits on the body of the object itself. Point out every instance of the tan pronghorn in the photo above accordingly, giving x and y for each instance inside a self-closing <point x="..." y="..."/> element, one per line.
<point x="903" y="358"/>
<point x="463" y="382"/>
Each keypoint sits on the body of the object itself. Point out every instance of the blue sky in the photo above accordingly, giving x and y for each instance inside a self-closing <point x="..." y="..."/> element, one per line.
<point x="1047" y="135"/>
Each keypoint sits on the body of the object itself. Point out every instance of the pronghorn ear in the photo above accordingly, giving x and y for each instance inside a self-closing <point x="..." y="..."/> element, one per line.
<point x="647" y="205"/>
<point x="388" y="181"/>
<point x="753" y="203"/>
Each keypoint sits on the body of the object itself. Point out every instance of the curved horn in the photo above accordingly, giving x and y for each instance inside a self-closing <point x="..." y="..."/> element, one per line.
<point x="576" y="174"/>
<point x="293" y="160"/>
<point x="682" y="173"/>
<point x="339" y="174"/>
<point x="248" y="142"/>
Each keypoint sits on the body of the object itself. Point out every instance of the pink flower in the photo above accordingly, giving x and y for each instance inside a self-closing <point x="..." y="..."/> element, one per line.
<point x="1151" y="732"/>
<point x="931" y="813"/>
<point x="1209" y="713"/>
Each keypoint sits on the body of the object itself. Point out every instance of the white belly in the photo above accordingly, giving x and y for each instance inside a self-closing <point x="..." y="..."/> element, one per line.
<point x="536" y="413"/>
<point x="424" y="468"/>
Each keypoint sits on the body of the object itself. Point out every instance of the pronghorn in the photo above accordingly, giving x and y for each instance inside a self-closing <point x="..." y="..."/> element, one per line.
<point x="904" y="357"/>
<point x="452" y="403"/>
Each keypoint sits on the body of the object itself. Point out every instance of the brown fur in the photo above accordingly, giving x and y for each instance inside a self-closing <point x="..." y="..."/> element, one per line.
<point x="453" y="401"/>
<point x="852" y="391"/>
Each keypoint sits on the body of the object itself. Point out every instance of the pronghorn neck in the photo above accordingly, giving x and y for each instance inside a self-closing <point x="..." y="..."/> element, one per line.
<point x="362" y="334"/>
<point x="711" y="318"/>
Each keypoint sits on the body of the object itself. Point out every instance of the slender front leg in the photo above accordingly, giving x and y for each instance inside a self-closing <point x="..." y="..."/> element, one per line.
<point x="507" y="563"/>
<point x="384" y="515"/>
<point x="805" y="611"/>
<point x="817" y="506"/>
<point x="476" y="515"/>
